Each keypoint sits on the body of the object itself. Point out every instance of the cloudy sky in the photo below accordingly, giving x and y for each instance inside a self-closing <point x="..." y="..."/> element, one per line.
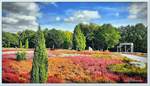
<point x="65" y="15"/>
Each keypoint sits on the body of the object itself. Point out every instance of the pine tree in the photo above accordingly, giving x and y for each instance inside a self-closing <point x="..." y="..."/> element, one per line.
<point x="39" y="72"/>
<point x="79" y="40"/>
<point x="26" y="44"/>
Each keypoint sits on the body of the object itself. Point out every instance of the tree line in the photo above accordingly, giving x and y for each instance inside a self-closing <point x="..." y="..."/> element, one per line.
<point x="98" y="37"/>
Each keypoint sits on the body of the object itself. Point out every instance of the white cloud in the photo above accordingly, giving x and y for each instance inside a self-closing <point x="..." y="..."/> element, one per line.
<point x="49" y="3"/>
<point x="9" y="20"/>
<point x="19" y="16"/>
<point x="138" y="10"/>
<point x="53" y="3"/>
<point x="117" y="14"/>
<point x="83" y="16"/>
<point x="22" y="17"/>
<point x="132" y="16"/>
<point x="57" y="18"/>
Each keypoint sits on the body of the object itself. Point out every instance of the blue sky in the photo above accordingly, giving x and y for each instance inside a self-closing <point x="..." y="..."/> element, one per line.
<point x="65" y="15"/>
<point x="54" y="14"/>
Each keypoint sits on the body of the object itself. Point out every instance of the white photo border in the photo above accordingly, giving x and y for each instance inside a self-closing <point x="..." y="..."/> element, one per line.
<point x="76" y="84"/>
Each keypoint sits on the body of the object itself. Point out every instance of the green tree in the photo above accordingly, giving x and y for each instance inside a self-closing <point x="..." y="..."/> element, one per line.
<point x="89" y="32"/>
<point x="27" y="34"/>
<point x="26" y="44"/>
<point x="54" y="39"/>
<point x="39" y="72"/>
<point x="99" y="42"/>
<point x="30" y="35"/>
<point x="108" y="35"/>
<point x="8" y="45"/>
<point x="137" y="34"/>
<point x="79" y="40"/>
<point x="67" y="40"/>
<point x="45" y="32"/>
<point x="22" y="37"/>
<point x="20" y="44"/>
<point x="9" y="39"/>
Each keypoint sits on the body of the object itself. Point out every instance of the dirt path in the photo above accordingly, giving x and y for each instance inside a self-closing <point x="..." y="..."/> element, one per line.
<point x="14" y="52"/>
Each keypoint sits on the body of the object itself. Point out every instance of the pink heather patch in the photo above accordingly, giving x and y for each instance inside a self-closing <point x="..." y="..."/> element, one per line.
<point x="97" y="67"/>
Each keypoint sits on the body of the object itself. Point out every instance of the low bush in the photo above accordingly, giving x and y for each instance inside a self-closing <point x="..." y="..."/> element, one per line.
<point x="21" y="55"/>
<point x="128" y="69"/>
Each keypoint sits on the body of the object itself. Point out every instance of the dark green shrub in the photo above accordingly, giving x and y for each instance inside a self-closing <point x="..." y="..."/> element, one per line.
<point x="26" y="44"/>
<point x="20" y="44"/>
<point x="128" y="69"/>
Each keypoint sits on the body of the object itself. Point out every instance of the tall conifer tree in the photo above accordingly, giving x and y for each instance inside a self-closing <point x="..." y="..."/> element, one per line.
<point x="39" y="72"/>
<point x="79" y="40"/>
